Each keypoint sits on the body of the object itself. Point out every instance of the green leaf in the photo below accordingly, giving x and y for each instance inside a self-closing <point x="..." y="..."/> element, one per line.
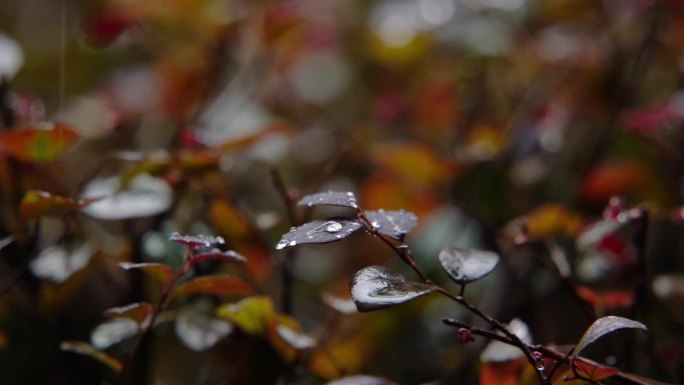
<point x="251" y="314"/>
<point x="38" y="144"/>
<point x="88" y="350"/>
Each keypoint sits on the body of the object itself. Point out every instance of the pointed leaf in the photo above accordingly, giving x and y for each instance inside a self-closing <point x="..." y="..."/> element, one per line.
<point x="467" y="265"/>
<point x="160" y="272"/>
<point x="603" y="326"/>
<point x="199" y="331"/>
<point x="593" y="234"/>
<point x="319" y="231"/>
<point x="37" y="203"/>
<point x="113" y="331"/>
<point x="375" y="287"/>
<point x="251" y="314"/>
<point x="230" y="256"/>
<point x="197" y="241"/>
<point x="138" y="312"/>
<point x="330" y="198"/>
<point x="344" y="306"/>
<point x="214" y="285"/>
<point x="294" y="338"/>
<point x="595" y="370"/>
<point x="38" y="144"/>
<point x="88" y="350"/>
<point x="395" y="224"/>
<point x="361" y="379"/>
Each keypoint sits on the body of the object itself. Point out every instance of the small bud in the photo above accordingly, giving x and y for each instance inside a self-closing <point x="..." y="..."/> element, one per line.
<point x="465" y="336"/>
<point x="537" y="355"/>
<point x="615" y="207"/>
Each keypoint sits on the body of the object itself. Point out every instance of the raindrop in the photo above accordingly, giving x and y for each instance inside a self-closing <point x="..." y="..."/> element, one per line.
<point x="375" y="224"/>
<point x="281" y="245"/>
<point x="333" y="227"/>
<point x="540" y="366"/>
<point x="292" y="243"/>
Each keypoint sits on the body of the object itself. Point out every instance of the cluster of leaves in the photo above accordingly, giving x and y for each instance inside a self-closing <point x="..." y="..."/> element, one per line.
<point x="505" y="126"/>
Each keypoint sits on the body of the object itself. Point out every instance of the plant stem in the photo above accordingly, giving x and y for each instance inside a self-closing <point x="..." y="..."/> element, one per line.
<point x="288" y="262"/>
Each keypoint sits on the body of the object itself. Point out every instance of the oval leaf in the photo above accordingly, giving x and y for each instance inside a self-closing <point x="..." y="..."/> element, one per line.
<point x="38" y="144"/>
<point x="229" y="255"/>
<point x="59" y="262"/>
<point x="330" y="198"/>
<point x="214" y="285"/>
<point x="319" y="231"/>
<point x="199" y="331"/>
<point x="295" y="339"/>
<point x="108" y="333"/>
<point x="603" y="326"/>
<point x="361" y="379"/>
<point x="467" y="265"/>
<point x="395" y="224"/>
<point x="88" y="350"/>
<point x="375" y="287"/>
<point x="197" y="241"/>
<point x="252" y="314"/>
<point x="160" y="272"/>
<point x="144" y="197"/>
<point x="138" y="312"/>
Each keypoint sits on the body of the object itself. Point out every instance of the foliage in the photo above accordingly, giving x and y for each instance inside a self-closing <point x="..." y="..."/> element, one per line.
<point x="341" y="192"/>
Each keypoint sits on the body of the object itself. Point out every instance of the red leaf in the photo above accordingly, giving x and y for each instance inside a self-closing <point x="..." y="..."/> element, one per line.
<point x="613" y="178"/>
<point x="502" y="373"/>
<point x="230" y="256"/>
<point x="38" y="144"/>
<point x="138" y="312"/>
<point x="214" y="285"/>
<point x="196" y="241"/>
<point x="594" y="370"/>
<point x="160" y="272"/>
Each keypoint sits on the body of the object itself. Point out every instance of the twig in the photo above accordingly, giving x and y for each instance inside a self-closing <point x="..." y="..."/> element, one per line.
<point x="286" y="270"/>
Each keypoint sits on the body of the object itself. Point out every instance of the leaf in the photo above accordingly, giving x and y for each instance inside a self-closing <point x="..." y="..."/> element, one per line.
<point x="344" y="306"/>
<point x="603" y="326"/>
<point x="138" y="312"/>
<point x="294" y="338"/>
<point x="595" y="370"/>
<point x="395" y="224"/>
<point x="497" y="351"/>
<point x="38" y="203"/>
<point x="330" y="198"/>
<point x="160" y="272"/>
<point x="593" y="234"/>
<point x="38" y="144"/>
<point x="230" y="256"/>
<point x="59" y="262"/>
<point x="615" y="178"/>
<point x="319" y="231"/>
<point x="197" y="241"/>
<point x="214" y="285"/>
<point x="552" y="219"/>
<point x="361" y="379"/>
<point x="502" y="373"/>
<point x="467" y="265"/>
<point x="145" y="196"/>
<point x="199" y="331"/>
<point x="86" y="349"/>
<point x="375" y="287"/>
<point x="251" y="314"/>
<point x="113" y="331"/>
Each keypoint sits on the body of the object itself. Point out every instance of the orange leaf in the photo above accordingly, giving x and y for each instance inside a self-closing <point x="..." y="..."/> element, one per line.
<point x="614" y="178"/>
<point x="160" y="272"/>
<point x="37" y="203"/>
<point x="502" y="373"/>
<point x="38" y="144"/>
<point x="138" y="312"/>
<point x="214" y="285"/>
<point x="594" y="370"/>
<point x="552" y="219"/>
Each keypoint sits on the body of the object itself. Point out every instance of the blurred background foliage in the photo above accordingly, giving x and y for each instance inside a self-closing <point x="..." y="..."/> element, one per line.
<point x="491" y="120"/>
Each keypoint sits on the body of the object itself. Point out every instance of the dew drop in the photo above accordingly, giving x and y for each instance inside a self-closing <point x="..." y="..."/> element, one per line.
<point x="281" y="245"/>
<point x="540" y="366"/>
<point x="350" y="194"/>
<point x="293" y="243"/>
<point x="375" y="224"/>
<point x="333" y="227"/>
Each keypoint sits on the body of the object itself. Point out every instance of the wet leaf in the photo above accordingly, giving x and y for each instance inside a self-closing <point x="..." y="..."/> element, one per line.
<point x="38" y="144"/>
<point x="603" y="326"/>
<point x="595" y="370"/>
<point x="251" y="314"/>
<point x="197" y="241"/>
<point x="160" y="272"/>
<point x="230" y="256"/>
<point x="86" y="349"/>
<point x="344" y="306"/>
<point x="138" y="312"/>
<point x="113" y="331"/>
<point x="294" y="338"/>
<point x="594" y="233"/>
<point x="214" y="285"/>
<point x="330" y="198"/>
<point x="199" y="331"/>
<point x="395" y="224"/>
<point x="57" y="263"/>
<point x="497" y="351"/>
<point x="467" y="265"/>
<point x="361" y="379"/>
<point x="145" y="196"/>
<point x="37" y="203"/>
<point x="319" y="231"/>
<point x="375" y="287"/>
